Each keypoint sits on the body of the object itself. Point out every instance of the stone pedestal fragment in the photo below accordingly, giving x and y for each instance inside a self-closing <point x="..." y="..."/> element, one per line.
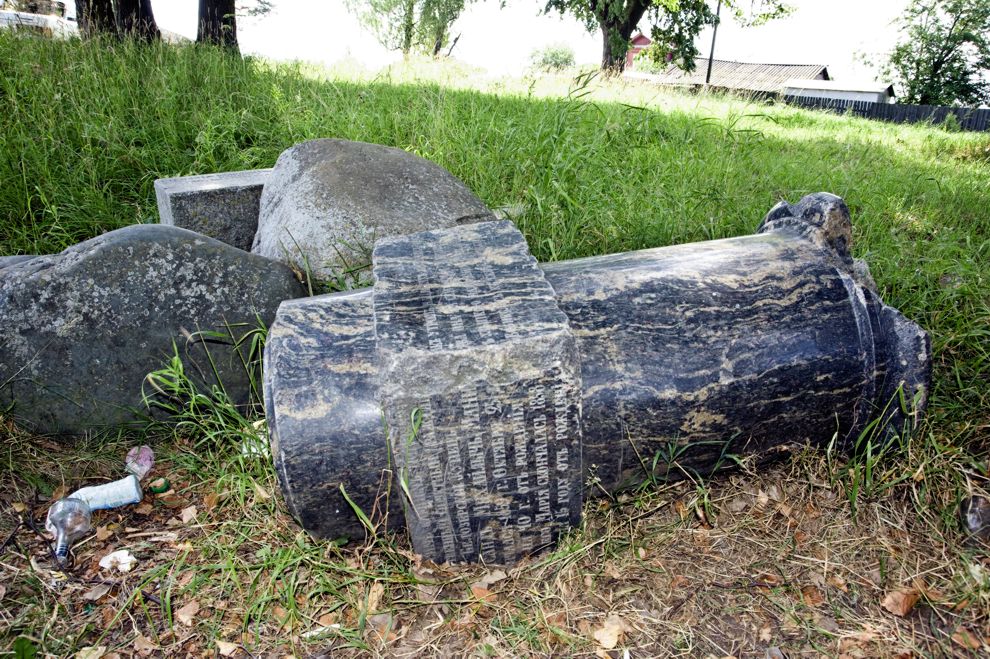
<point x="480" y="382"/>
<point x="695" y="355"/>
<point x="222" y="206"/>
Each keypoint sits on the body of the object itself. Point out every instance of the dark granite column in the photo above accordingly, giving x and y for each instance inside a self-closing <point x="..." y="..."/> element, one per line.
<point x="691" y="356"/>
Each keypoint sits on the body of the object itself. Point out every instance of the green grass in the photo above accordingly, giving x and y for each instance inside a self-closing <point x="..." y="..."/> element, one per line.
<point x="597" y="166"/>
<point x="85" y="129"/>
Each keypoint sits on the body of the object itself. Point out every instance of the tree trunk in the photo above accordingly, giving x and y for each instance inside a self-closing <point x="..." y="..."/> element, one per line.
<point x="217" y="23"/>
<point x="96" y="17"/>
<point x="613" y="51"/>
<point x="136" y="19"/>
<point x="616" y="31"/>
<point x="408" y="27"/>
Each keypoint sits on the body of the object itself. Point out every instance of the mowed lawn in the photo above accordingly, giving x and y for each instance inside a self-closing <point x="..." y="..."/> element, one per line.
<point x="819" y="556"/>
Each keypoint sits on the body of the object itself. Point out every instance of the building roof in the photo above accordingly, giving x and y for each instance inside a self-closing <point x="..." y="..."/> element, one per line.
<point x="640" y="39"/>
<point x="841" y="86"/>
<point x="741" y="75"/>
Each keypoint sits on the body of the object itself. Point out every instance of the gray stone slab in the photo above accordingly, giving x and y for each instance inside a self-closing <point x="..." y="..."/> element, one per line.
<point x="84" y="327"/>
<point x="222" y="206"/>
<point x="480" y="384"/>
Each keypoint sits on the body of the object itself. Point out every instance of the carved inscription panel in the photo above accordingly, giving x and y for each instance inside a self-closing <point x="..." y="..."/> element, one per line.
<point x="481" y="390"/>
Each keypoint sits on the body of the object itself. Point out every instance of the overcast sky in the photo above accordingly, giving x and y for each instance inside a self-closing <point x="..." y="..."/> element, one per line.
<point x="828" y="32"/>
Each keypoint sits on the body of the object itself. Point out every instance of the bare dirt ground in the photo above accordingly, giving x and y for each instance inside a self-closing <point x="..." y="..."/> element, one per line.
<point x="806" y="559"/>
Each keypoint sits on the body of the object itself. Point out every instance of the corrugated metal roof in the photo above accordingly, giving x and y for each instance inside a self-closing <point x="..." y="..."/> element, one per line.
<point x="841" y="86"/>
<point x="741" y="75"/>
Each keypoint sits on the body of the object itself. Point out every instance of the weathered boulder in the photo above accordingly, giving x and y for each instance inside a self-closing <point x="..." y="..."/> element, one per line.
<point x="83" y="328"/>
<point x="327" y="201"/>
<point x="6" y="261"/>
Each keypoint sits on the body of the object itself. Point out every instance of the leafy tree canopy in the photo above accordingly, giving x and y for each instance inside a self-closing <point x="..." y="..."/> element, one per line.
<point x="673" y="25"/>
<point x="944" y="55"/>
<point x="408" y="24"/>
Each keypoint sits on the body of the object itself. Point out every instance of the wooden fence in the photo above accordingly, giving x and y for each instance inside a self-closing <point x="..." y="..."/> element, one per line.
<point x="976" y="119"/>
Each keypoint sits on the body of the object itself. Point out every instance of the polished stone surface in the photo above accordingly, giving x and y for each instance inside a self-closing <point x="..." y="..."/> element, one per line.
<point x="324" y="418"/>
<point x="696" y="355"/>
<point x="222" y="206"/>
<point x="480" y="382"/>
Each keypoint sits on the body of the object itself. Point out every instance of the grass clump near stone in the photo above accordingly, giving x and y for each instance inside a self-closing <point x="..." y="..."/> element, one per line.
<point x="829" y="555"/>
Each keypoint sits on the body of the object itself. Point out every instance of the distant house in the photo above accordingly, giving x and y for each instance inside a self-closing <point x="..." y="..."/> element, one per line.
<point x="871" y="92"/>
<point x="637" y="44"/>
<point x="737" y="76"/>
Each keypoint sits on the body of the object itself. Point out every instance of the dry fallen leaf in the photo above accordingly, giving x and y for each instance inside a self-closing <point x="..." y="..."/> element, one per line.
<point x="261" y="492"/>
<point x="18" y="507"/>
<point x="679" y="581"/>
<point x="92" y="652"/>
<point x="492" y="577"/>
<point x="188" y="514"/>
<point x="610" y="633"/>
<point x="103" y="532"/>
<point x="900" y="602"/>
<point x="187" y="614"/>
<point x="766" y="633"/>
<point x="96" y="592"/>
<point x="144" y="645"/>
<point x="770" y="580"/>
<point x="812" y="596"/>
<point x="227" y="649"/>
<point x="210" y="501"/>
<point x="837" y="581"/>
<point x="328" y="619"/>
<point x="854" y="641"/>
<point x="481" y="593"/>
<point x="283" y="617"/>
<point x="382" y="624"/>
<point x="144" y="509"/>
<point x="375" y="593"/>
<point x="738" y="504"/>
<point x="762" y="500"/>
<point x="965" y="638"/>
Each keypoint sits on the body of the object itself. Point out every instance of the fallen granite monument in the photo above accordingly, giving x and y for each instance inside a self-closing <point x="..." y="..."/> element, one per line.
<point x="690" y="357"/>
